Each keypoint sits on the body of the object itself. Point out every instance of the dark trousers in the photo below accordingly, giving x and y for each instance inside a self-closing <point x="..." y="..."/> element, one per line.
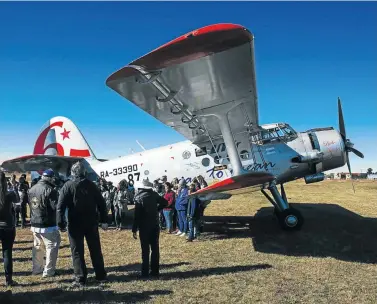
<point x="162" y="220"/>
<point x="175" y="219"/>
<point x="76" y="240"/>
<point x="149" y="241"/>
<point x="23" y="213"/>
<point x="17" y="211"/>
<point x="7" y="237"/>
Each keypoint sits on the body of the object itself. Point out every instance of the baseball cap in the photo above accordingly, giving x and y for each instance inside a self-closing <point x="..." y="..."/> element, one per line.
<point x="48" y="173"/>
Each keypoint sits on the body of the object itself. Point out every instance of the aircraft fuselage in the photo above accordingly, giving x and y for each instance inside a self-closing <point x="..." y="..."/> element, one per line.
<point x="298" y="155"/>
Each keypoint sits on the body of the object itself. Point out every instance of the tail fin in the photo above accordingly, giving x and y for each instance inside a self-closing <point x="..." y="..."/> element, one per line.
<point x="60" y="136"/>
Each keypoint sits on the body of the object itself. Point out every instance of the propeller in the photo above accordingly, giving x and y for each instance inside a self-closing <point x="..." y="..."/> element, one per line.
<point x="347" y="143"/>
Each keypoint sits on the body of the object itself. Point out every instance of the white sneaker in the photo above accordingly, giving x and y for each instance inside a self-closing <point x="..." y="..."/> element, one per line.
<point x="183" y="234"/>
<point x="179" y="233"/>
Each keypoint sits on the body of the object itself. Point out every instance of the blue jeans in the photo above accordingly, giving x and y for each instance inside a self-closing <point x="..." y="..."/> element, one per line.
<point x="168" y="214"/>
<point x="182" y="218"/>
<point x="193" y="228"/>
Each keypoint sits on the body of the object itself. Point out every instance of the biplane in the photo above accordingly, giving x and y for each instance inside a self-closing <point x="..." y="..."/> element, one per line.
<point x="203" y="85"/>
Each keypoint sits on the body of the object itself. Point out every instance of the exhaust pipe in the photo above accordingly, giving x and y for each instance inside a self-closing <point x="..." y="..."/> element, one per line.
<point x="315" y="178"/>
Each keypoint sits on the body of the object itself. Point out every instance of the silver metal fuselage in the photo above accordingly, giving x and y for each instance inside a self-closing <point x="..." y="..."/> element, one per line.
<point x="307" y="154"/>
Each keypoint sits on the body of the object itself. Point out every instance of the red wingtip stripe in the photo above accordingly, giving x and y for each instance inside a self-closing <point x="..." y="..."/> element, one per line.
<point x="204" y="30"/>
<point x="217" y="185"/>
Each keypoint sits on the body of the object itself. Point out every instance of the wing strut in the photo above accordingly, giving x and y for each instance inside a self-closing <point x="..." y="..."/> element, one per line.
<point x="258" y="139"/>
<point x="230" y="144"/>
<point x="213" y="146"/>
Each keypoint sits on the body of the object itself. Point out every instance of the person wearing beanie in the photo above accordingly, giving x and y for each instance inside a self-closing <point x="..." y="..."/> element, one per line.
<point x="147" y="207"/>
<point x="43" y="200"/>
<point x="83" y="200"/>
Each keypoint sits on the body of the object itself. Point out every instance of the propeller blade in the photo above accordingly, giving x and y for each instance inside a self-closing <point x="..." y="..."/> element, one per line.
<point x="342" y="128"/>
<point x="357" y="152"/>
<point x="349" y="169"/>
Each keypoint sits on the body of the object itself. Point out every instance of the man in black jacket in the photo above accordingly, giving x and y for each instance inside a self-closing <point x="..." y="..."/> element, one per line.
<point x="43" y="199"/>
<point x="146" y="219"/>
<point x="23" y="188"/>
<point x="7" y="229"/>
<point x="83" y="200"/>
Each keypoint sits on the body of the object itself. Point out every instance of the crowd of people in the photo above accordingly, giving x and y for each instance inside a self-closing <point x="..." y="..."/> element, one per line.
<point x="80" y="206"/>
<point x="182" y="215"/>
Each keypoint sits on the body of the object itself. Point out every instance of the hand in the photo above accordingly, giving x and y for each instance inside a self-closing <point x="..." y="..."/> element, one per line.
<point x="104" y="226"/>
<point x="134" y="235"/>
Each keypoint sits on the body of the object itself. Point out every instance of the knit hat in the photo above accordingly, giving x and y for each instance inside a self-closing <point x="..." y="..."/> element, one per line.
<point x="147" y="184"/>
<point x="78" y="170"/>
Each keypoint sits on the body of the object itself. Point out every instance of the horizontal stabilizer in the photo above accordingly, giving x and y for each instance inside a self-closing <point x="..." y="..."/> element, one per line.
<point x="35" y="162"/>
<point x="234" y="184"/>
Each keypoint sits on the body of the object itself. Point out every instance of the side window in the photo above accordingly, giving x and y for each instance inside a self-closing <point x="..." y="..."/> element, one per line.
<point x="201" y="151"/>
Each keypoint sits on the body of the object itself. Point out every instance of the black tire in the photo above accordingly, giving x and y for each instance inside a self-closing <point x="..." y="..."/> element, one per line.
<point x="284" y="217"/>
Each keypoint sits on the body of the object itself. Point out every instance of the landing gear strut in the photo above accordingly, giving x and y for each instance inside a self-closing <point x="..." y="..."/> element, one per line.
<point x="289" y="218"/>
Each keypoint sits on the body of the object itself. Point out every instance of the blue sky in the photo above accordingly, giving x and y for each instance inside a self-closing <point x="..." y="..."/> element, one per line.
<point x="55" y="58"/>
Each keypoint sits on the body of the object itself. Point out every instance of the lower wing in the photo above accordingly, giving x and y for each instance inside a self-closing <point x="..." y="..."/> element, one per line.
<point x="235" y="185"/>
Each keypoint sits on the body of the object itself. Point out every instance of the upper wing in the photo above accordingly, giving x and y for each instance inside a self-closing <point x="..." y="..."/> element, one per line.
<point x="201" y="70"/>
<point x="36" y="162"/>
<point x="236" y="184"/>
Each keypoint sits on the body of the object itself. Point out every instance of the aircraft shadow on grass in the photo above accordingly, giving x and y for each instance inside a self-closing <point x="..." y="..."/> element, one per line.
<point x="329" y="231"/>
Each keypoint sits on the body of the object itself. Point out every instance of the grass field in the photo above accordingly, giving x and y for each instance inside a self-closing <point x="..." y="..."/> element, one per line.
<point x="240" y="258"/>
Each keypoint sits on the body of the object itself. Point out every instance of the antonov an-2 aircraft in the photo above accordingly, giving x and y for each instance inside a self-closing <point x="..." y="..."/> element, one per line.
<point x="203" y="85"/>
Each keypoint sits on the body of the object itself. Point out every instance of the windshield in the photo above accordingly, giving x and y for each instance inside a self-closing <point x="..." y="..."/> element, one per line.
<point x="282" y="132"/>
<point x="288" y="130"/>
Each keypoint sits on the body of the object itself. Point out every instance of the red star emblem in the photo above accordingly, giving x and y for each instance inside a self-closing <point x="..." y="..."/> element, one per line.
<point x="65" y="134"/>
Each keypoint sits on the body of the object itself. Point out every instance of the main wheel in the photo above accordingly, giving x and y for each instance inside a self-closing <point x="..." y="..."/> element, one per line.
<point x="290" y="219"/>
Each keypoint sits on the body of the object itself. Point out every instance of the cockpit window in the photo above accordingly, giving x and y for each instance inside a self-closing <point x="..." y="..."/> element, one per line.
<point x="282" y="132"/>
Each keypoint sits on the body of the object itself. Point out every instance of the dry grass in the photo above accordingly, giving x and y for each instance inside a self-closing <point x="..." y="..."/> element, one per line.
<point x="240" y="259"/>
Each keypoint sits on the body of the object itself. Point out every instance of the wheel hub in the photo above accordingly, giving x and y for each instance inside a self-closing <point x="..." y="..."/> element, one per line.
<point x="291" y="220"/>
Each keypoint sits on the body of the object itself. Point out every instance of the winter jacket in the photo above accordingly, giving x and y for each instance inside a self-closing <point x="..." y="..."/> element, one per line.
<point x="83" y="200"/>
<point x="23" y="191"/>
<point x="181" y="200"/>
<point x="7" y="211"/>
<point x="131" y="191"/>
<point x="43" y="200"/>
<point x="113" y="192"/>
<point x="170" y="197"/>
<point x="106" y="196"/>
<point x="147" y="206"/>
<point x="122" y="199"/>
<point x="193" y="208"/>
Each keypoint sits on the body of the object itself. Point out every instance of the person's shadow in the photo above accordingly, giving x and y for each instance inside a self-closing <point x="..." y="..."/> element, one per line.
<point x="328" y="231"/>
<point x="93" y="296"/>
